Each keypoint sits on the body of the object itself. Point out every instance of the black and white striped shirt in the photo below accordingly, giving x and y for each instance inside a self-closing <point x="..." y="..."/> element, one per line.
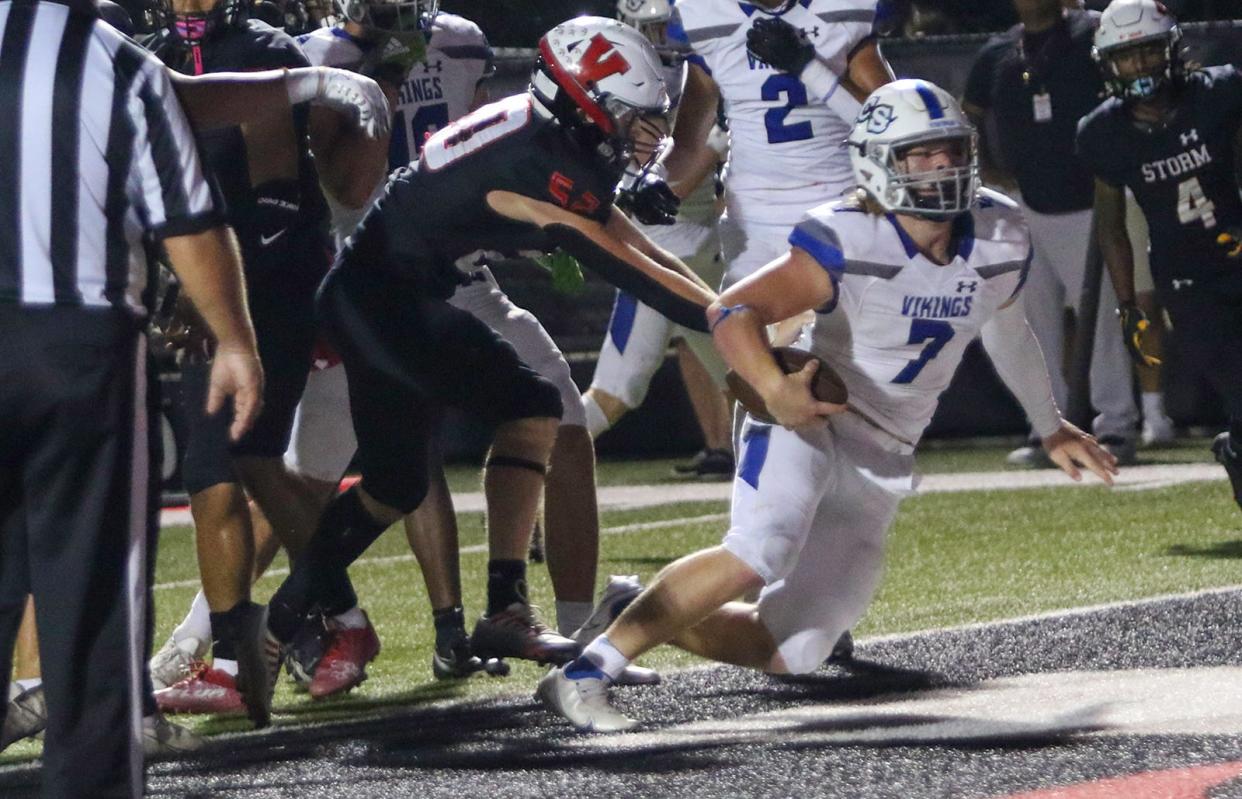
<point x="95" y="153"/>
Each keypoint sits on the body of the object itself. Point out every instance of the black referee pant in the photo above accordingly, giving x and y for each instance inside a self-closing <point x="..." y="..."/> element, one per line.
<point x="74" y="516"/>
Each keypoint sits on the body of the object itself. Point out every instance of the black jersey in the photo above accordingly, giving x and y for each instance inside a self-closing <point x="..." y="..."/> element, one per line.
<point x="254" y="47"/>
<point x="1182" y="173"/>
<point x="435" y="211"/>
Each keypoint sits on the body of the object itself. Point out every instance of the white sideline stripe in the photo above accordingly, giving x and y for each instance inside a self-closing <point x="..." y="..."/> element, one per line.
<point x="1060" y="613"/>
<point x="643" y="496"/>
<point x="477" y="548"/>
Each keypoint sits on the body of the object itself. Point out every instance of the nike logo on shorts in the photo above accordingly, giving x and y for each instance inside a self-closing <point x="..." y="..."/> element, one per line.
<point x="266" y="240"/>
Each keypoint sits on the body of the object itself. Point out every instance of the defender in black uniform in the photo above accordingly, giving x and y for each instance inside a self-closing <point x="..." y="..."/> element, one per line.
<point x="274" y="204"/>
<point x="529" y="173"/>
<point x="1171" y="137"/>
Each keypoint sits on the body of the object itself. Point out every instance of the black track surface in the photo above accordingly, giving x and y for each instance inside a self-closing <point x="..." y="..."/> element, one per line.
<point x="512" y="748"/>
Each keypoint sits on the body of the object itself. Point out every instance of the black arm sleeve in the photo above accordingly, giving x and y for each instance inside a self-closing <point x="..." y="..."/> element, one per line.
<point x="687" y="313"/>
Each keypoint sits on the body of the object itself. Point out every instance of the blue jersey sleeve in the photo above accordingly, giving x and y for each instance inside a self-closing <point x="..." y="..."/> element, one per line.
<point x="820" y="242"/>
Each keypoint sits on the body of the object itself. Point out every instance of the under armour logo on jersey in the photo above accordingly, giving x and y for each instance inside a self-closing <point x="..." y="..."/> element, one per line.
<point x="1178" y="285"/>
<point x="967" y="285"/>
<point x="878" y="116"/>
<point x="1191" y="136"/>
<point x="601" y="60"/>
<point x="437" y="65"/>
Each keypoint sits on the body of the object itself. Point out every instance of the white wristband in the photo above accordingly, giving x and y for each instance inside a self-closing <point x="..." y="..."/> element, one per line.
<point x="303" y="84"/>
<point x="823" y="81"/>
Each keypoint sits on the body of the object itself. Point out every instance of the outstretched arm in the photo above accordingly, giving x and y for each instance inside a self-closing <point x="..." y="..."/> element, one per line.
<point x="670" y="289"/>
<point x="239" y="98"/>
<point x="1015" y="353"/>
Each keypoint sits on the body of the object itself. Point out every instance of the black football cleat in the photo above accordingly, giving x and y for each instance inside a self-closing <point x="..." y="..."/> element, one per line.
<point x="517" y="632"/>
<point x="303" y="653"/>
<point x="1232" y="461"/>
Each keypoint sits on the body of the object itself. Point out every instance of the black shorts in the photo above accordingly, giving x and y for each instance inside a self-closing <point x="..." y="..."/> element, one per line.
<point x="283" y="311"/>
<point x="407" y="356"/>
<point x="1207" y="315"/>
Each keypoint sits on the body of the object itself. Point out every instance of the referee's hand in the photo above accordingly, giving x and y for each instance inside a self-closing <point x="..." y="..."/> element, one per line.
<point x="237" y="373"/>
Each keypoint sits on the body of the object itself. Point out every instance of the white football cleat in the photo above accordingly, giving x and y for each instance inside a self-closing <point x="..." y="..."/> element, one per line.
<point x="175" y="660"/>
<point x="161" y="738"/>
<point x="583" y="701"/>
<point x="620" y="592"/>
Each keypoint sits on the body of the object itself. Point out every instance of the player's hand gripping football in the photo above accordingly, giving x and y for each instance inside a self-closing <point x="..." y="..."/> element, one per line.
<point x="1074" y="450"/>
<point x="1134" y="324"/>
<point x="348" y="92"/>
<point x="774" y="41"/>
<point x="792" y="403"/>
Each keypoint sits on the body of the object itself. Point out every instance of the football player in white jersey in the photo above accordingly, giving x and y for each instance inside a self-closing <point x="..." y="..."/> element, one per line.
<point x="638" y="336"/>
<point x="790" y="74"/>
<point x="901" y="280"/>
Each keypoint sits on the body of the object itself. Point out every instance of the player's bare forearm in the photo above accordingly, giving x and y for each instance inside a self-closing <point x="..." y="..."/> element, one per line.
<point x="350" y="163"/>
<point x="679" y="296"/>
<point x="620" y="226"/>
<point x="868" y="70"/>
<point x="695" y="116"/>
<point x="209" y="268"/>
<point x="738" y="332"/>
<point x="232" y="98"/>
<point x="1110" y="231"/>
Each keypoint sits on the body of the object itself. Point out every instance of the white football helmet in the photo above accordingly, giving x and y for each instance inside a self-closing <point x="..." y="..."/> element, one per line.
<point x="602" y="82"/>
<point x="650" y="17"/>
<point x="1127" y="26"/>
<point x="897" y="117"/>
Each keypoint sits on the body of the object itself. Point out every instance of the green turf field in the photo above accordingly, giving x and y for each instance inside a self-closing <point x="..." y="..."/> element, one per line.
<point x="953" y="558"/>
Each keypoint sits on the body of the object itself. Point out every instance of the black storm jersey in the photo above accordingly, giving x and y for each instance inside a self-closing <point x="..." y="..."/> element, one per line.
<point x="435" y="211"/>
<point x="255" y="47"/>
<point x="1182" y="173"/>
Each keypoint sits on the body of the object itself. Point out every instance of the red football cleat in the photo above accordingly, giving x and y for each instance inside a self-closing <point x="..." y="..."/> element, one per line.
<point x="205" y="690"/>
<point x="344" y="663"/>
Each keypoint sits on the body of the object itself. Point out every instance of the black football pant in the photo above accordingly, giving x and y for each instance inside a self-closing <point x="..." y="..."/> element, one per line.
<point x="407" y="356"/>
<point x="74" y="522"/>
<point x="1208" y="319"/>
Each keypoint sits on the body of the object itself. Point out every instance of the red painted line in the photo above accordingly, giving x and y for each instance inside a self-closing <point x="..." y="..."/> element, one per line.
<point x="1180" y="783"/>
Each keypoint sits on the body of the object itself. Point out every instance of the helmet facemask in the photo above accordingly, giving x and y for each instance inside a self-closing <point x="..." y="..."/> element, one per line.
<point x="391" y="16"/>
<point x="932" y="175"/>
<point x="1138" y="70"/>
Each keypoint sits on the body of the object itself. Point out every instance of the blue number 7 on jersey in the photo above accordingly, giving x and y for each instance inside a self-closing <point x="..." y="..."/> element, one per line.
<point x="936" y="334"/>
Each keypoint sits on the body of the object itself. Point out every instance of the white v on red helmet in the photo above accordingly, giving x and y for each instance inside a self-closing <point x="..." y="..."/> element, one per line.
<point x="596" y="76"/>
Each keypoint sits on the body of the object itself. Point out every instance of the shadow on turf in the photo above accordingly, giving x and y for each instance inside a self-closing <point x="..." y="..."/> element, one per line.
<point x="1221" y="550"/>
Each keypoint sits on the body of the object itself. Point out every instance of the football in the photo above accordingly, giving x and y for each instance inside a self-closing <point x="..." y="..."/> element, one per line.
<point x="826" y="385"/>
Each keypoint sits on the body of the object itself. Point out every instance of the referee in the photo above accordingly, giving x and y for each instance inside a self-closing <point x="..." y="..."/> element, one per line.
<point x="96" y="160"/>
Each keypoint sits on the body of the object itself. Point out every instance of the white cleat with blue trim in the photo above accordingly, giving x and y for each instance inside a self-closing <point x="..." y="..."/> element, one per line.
<point x="583" y="700"/>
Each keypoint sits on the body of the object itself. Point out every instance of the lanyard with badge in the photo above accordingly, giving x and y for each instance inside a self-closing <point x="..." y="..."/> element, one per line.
<point x="1041" y="100"/>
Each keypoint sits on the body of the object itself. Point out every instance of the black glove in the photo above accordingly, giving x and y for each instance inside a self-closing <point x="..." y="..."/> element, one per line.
<point x="650" y="201"/>
<point x="1133" y="325"/>
<point x="774" y="41"/>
